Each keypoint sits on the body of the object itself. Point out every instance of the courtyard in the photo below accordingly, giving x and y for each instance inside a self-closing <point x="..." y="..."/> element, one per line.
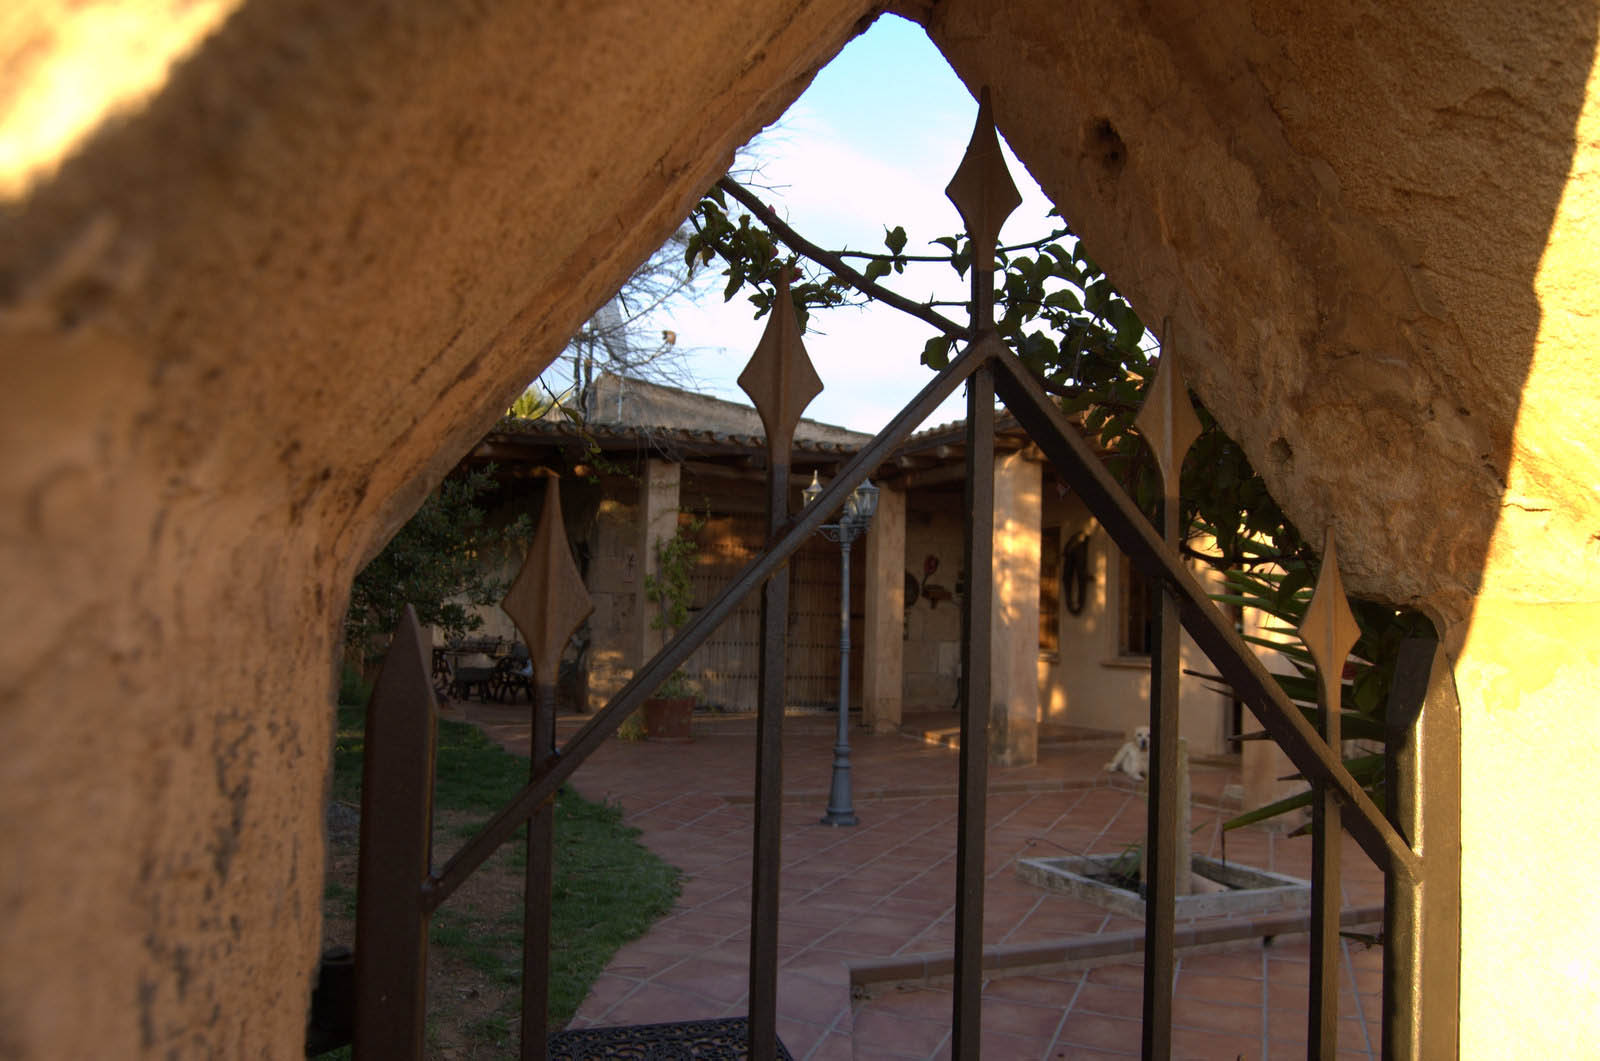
<point x="866" y="910"/>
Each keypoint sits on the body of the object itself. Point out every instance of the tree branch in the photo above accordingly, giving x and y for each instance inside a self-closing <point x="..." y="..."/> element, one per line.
<point x="829" y="260"/>
<point x="1224" y="561"/>
<point x="946" y="259"/>
<point x="1067" y="390"/>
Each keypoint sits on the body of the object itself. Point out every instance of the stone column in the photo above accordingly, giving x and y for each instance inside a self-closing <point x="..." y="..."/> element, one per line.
<point x="1014" y="641"/>
<point x="614" y="576"/>
<point x="883" y="639"/>
<point x="658" y="521"/>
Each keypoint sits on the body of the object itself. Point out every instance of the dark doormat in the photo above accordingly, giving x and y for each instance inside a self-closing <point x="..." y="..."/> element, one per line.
<point x="699" y="1040"/>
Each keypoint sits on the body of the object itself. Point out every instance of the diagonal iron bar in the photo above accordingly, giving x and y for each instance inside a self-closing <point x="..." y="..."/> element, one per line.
<point x="1055" y="435"/>
<point x="440" y="885"/>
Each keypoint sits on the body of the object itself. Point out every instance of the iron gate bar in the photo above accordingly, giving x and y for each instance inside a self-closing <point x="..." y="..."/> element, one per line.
<point x="985" y="195"/>
<point x="1422" y="919"/>
<point x="1329" y="631"/>
<point x="1050" y="430"/>
<point x="537" y="886"/>
<point x="781" y="381"/>
<point x="768" y="845"/>
<point x="395" y="841"/>
<point x="801" y="527"/>
<point x="1161" y="817"/>
<point x="1162" y="860"/>
<point x="548" y="602"/>
<point x="977" y="618"/>
<point x="1169" y="427"/>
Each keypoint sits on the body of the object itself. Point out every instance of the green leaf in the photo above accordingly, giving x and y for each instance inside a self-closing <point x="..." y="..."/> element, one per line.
<point x="1095" y="297"/>
<point x="1271" y="810"/>
<point x="936" y="352"/>
<point x="895" y="239"/>
<point x="1036" y="351"/>
<point x="1371" y="687"/>
<point x="1066" y="299"/>
<point x="1130" y="332"/>
<point x="1300" y="578"/>
<point x="1059" y="253"/>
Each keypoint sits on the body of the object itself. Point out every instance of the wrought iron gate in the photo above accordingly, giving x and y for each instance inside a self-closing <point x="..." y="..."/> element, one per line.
<point x="1417" y="844"/>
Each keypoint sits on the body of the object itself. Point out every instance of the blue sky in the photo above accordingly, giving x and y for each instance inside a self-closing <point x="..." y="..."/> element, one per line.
<point x="871" y="143"/>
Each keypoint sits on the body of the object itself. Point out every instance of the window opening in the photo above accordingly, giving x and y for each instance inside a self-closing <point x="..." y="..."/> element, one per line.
<point x="1050" y="590"/>
<point x="1135" y="631"/>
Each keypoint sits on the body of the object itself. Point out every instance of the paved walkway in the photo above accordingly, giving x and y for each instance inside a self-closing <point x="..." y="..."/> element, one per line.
<point x="884" y="889"/>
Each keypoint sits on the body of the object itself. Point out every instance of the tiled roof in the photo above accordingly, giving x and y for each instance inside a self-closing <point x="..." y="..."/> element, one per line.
<point x="684" y="442"/>
<point x="665" y="439"/>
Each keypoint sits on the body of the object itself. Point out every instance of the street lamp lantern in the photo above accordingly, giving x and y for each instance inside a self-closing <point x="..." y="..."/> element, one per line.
<point x="863" y="503"/>
<point x="859" y="508"/>
<point x="812" y="492"/>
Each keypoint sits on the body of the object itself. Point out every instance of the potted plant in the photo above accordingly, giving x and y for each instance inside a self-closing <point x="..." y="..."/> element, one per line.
<point x="669" y="713"/>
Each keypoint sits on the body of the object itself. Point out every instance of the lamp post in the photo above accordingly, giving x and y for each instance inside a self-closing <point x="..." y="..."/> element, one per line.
<point x="859" y="508"/>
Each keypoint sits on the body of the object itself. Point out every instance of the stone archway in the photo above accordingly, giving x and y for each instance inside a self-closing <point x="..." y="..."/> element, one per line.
<point x="250" y="315"/>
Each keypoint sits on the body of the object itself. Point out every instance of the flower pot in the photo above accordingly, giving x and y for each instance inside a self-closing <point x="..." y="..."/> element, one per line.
<point x="669" y="718"/>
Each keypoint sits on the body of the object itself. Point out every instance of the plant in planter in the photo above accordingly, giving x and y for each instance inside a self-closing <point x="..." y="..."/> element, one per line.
<point x="1283" y="593"/>
<point x="668" y="714"/>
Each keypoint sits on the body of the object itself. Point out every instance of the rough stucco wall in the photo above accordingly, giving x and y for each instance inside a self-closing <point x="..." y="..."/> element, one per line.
<point x="244" y="328"/>
<point x="1379" y="183"/>
<point x="1373" y="228"/>
<point x="932" y="658"/>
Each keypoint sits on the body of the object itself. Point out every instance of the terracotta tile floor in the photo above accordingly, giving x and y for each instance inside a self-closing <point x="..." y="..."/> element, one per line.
<point x="886" y="887"/>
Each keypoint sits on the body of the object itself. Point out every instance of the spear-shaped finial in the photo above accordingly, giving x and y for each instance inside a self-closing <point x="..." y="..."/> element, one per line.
<point x="1329" y="629"/>
<point x="548" y="600"/>
<point x="1168" y="422"/>
<point x="985" y="195"/>
<point x="780" y="378"/>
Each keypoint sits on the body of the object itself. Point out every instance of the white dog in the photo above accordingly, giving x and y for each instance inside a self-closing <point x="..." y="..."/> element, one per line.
<point x="1133" y="758"/>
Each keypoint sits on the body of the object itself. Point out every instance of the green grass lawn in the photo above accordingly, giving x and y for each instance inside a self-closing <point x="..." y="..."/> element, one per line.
<point x="608" y="889"/>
